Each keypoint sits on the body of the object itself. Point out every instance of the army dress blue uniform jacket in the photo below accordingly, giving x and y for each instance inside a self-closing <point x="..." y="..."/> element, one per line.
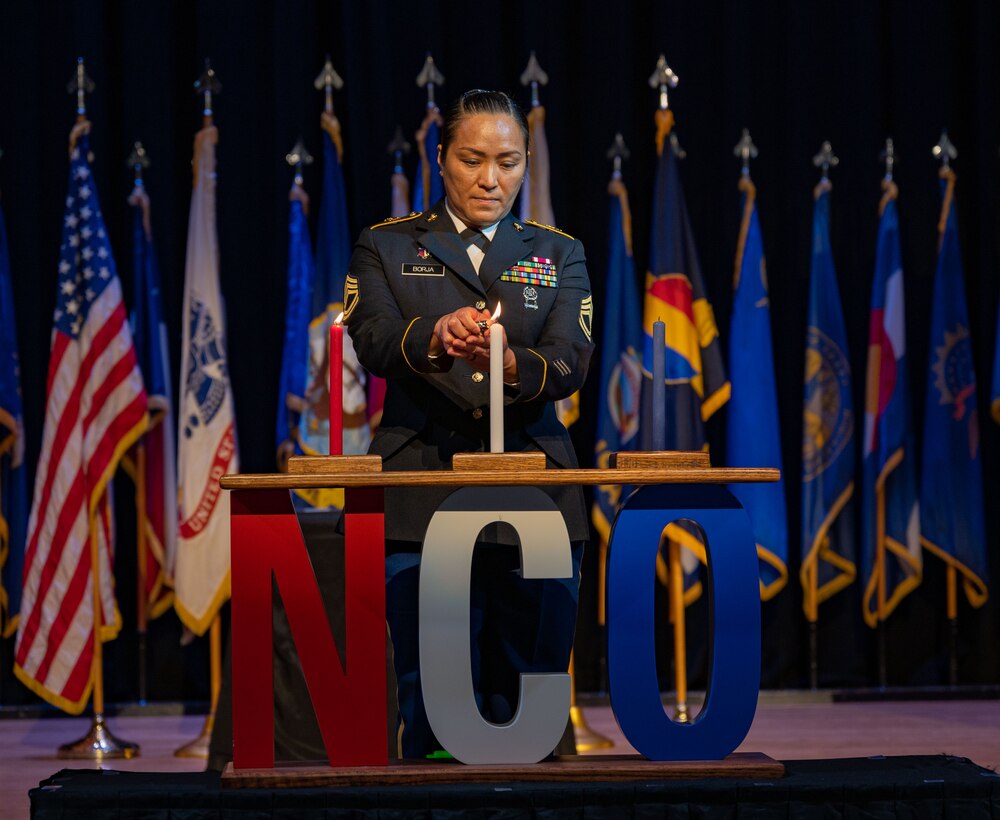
<point x="405" y="274"/>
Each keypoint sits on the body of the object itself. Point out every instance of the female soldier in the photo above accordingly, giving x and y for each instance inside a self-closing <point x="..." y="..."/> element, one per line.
<point x="417" y="292"/>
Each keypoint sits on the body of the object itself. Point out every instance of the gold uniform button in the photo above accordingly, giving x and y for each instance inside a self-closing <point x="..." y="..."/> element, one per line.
<point x="477" y="413"/>
<point x="480" y="305"/>
<point x="477" y="377"/>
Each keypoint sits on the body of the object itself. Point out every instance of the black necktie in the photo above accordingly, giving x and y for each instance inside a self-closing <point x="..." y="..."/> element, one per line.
<point x="477" y="238"/>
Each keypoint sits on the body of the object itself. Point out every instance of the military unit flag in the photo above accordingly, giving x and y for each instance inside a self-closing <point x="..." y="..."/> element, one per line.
<point x="159" y="463"/>
<point x="891" y="563"/>
<point x="95" y="410"/>
<point x="333" y="256"/>
<point x="696" y="383"/>
<point x="828" y="562"/>
<point x="621" y="368"/>
<point x="536" y="194"/>
<point x="428" y="187"/>
<point x="753" y="435"/>
<point x="207" y="446"/>
<point x="13" y="472"/>
<point x="298" y="313"/>
<point x="951" y="491"/>
<point x="536" y="206"/>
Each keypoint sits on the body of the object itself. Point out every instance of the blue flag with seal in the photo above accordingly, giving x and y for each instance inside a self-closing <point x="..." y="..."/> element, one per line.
<point x="951" y="490"/>
<point x="891" y="562"/>
<point x="13" y="473"/>
<point x="696" y="385"/>
<point x="753" y="437"/>
<point x="828" y="562"/>
<point x="621" y="369"/>
<point x="295" y="353"/>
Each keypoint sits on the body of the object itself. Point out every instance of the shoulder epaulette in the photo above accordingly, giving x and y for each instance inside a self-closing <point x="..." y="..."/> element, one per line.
<point x="548" y="228"/>
<point x="393" y="220"/>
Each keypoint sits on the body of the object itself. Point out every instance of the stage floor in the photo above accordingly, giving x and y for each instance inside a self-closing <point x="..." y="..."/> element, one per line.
<point x="788" y="726"/>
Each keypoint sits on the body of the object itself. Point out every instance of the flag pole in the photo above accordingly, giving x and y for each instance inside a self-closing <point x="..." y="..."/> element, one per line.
<point x="677" y="616"/>
<point x="616" y="153"/>
<point x="585" y="738"/>
<point x="399" y="184"/>
<point x="813" y="616"/>
<point x="888" y="156"/>
<point x="952" y="592"/>
<point x="824" y="160"/>
<point x="945" y="151"/>
<point x="880" y="559"/>
<point x="99" y="742"/>
<point x="206" y="85"/>
<point x="428" y="77"/>
<point x="663" y="78"/>
<point x="540" y="211"/>
<point x="142" y="603"/>
<point x="137" y="161"/>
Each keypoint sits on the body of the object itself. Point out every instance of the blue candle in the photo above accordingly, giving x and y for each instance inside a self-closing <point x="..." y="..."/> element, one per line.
<point x="659" y="387"/>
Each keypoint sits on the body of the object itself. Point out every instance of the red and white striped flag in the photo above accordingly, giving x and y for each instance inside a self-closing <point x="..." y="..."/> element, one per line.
<point x="207" y="434"/>
<point x="95" y="409"/>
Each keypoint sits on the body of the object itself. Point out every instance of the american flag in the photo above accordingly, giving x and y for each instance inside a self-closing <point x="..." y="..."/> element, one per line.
<point x="95" y="409"/>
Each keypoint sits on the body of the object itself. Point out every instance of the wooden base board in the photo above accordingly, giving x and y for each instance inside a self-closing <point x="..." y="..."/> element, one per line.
<point x="499" y="462"/>
<point x="659" y="459"/>
<point x="568" y="769"/>
<point x="319" y="465"/>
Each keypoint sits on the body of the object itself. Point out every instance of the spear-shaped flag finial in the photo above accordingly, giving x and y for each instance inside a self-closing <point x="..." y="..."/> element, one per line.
<point x="825" y="159"/>
<point x="298" y="157"/>
<point x="138" y="161"/>
<point x="745" y="151"/>
<point x="616" y="153"/>
<point x="328" y="80"/>
<point x="397" y="148"/>
<point x="534" y="76"/>
<point x="663" y="78"/>
<point x="429" y="77"/>
<point x="81" y="85"/>
<point x="207" y="85"/>
<point x="945" y="150"/>
<point x="888" y="156"/>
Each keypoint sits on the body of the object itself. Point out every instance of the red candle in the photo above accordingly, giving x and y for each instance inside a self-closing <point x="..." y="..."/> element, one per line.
<point x="337" y="386"/>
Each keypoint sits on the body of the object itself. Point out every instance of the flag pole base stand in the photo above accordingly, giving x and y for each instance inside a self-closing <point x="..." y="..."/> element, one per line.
<point x="98" y="744"/>
<point x="587" y="740"/>
<point x="198" y="748"/>
<point x="681" y="713"/>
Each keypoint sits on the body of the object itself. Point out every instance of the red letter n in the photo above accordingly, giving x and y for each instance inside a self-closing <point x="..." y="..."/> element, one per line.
<point x="347" y="696"/>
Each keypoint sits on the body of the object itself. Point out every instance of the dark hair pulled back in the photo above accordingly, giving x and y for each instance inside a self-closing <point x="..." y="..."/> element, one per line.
<point x="478" y="101"/>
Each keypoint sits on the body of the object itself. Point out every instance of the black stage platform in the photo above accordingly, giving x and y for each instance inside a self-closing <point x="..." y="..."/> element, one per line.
<point x="886" y="787"/>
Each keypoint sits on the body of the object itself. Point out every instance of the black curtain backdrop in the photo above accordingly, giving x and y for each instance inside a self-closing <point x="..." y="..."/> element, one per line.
<point x="794" y="73"/>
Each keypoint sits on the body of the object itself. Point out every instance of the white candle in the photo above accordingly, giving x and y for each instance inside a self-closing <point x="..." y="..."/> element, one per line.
<point x="496" y="384"/>
<point x="659" y="387"/>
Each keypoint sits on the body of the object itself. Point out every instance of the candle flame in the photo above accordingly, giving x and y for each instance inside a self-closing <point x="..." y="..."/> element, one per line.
<point x="496" y="313"/>
<point x="340" y="318"/>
